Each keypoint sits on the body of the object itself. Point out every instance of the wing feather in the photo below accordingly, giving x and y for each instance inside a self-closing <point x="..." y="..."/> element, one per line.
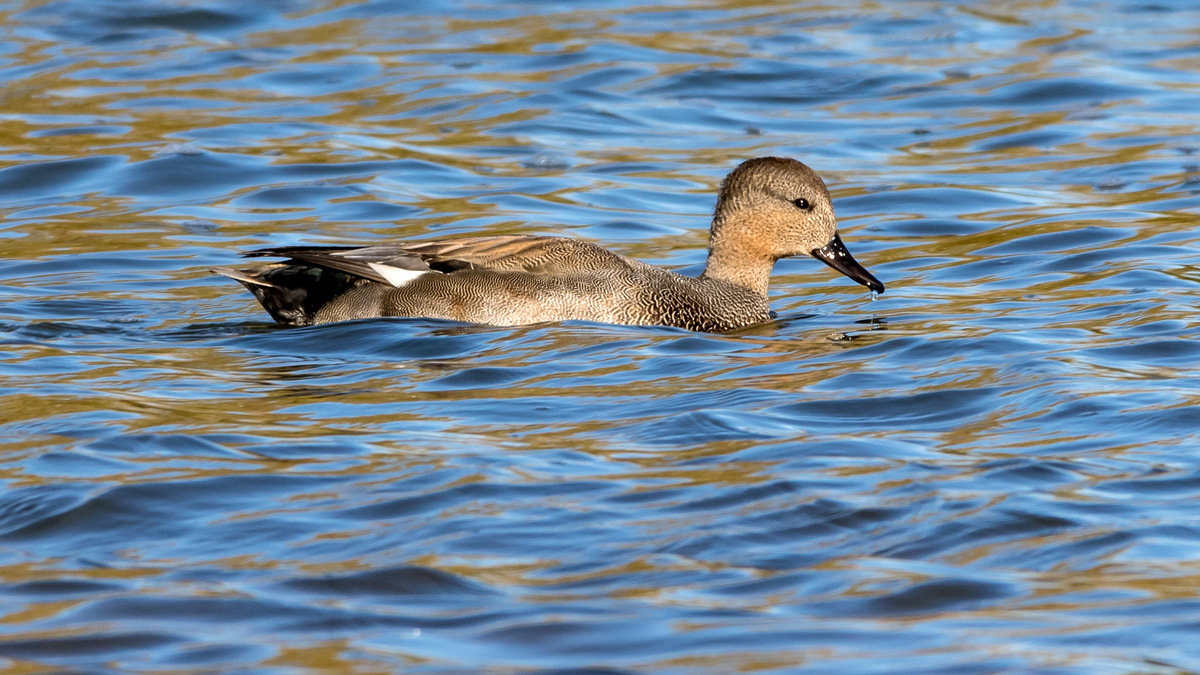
<point x="386" y="264"/>
<point x="390" y="263"/>
<point x="534" y="254"/>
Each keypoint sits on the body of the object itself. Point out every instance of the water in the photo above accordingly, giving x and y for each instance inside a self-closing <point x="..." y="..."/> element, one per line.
<point x="991" y="468"/>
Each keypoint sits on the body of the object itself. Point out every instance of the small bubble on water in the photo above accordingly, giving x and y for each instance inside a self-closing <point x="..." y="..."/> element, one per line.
<point x="198" y="225"/>
<point x="544" y="160"/>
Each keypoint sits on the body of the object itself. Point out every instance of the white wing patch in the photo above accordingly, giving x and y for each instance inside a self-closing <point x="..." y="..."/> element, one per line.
<point x="396" y="276"/>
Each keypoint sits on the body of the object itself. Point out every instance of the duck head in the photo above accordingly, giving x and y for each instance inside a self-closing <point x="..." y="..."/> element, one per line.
<point x="773" y="207"/>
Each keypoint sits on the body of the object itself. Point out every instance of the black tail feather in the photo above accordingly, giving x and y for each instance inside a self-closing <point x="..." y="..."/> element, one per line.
<point x="291" y="294"/>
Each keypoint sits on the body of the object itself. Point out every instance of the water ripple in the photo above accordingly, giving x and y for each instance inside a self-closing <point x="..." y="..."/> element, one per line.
<point x="987" y="469"/>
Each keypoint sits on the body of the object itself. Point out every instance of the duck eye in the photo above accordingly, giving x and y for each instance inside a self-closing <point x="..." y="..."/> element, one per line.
<point x="802" y="203"/>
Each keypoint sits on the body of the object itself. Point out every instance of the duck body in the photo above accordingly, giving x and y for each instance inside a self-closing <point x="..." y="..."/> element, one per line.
<point x="514" y="280"/>
<point x="505" y="280"/>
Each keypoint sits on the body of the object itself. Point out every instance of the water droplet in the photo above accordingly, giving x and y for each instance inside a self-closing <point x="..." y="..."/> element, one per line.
<point x="874" y="295"/>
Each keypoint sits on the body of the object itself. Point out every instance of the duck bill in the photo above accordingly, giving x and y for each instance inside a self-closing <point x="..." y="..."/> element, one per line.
<point x="836" y="256"/>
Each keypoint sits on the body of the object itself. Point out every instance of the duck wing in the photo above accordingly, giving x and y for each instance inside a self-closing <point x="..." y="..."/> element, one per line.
<point x="524" y="253"/>
<point x="386" y="263"/>
<point x="396" y="264"/>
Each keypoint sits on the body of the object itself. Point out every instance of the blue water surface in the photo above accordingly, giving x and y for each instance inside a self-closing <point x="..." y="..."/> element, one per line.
<point x="990" y="469"/>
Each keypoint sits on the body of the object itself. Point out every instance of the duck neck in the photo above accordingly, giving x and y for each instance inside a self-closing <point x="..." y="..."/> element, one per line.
<point x="735" y="263"/>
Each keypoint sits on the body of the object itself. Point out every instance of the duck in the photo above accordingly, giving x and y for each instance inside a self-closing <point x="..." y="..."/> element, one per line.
<point x="767" y="208"/>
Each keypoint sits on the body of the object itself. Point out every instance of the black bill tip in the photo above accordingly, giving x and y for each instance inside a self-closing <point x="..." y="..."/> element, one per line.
<point x="836" y="256"/>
